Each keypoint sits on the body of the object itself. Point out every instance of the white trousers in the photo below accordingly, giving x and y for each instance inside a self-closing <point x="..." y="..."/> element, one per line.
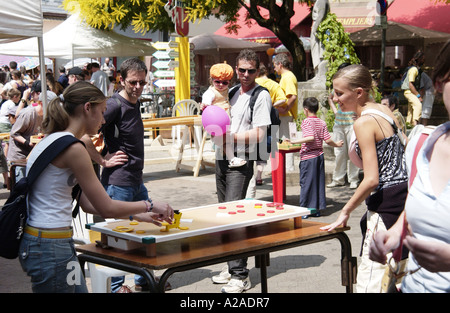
<point x="370" y="273"/>
<point x="343" y="165"/>
<point x="284" y="131"/>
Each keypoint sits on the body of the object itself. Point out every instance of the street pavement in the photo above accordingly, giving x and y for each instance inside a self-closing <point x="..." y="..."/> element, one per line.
<point x="312" y="268"/>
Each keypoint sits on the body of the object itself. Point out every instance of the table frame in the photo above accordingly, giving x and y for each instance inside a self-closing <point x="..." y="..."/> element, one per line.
<point x="263" y="241"/>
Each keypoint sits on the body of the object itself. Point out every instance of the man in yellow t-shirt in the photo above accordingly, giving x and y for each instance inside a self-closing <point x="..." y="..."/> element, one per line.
<point x="411" y="92"/>
<point x="276" y="92"/>
<point x="289" y="112"/>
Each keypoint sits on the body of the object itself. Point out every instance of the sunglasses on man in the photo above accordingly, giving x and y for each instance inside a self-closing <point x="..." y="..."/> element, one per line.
<point x="249" y="70"/>
<point x="135" y="82"/>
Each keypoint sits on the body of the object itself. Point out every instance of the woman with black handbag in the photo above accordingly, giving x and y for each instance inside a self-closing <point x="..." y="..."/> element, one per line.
<point x="378" y="150"/>
<point x="47" y="251"/>
<point x="425" y="225"/>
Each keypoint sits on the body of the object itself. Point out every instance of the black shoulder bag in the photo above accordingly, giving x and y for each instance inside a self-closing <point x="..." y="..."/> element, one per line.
<point x="13" y="215"/>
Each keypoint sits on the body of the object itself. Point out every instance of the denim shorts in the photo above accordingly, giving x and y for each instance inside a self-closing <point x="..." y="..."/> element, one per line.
<point x="52" y="265"/>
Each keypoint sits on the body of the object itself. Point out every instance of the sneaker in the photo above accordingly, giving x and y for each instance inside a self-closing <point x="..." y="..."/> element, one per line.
<point x="334" y="184"/>
<point x="317" y="214"/>
<point x="353" y="185"/>
<point x="223" y="278"/>
<point x="237" y="285"/>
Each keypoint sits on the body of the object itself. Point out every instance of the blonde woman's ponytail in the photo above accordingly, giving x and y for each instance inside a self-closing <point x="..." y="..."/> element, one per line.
<point x="56" y="118"/>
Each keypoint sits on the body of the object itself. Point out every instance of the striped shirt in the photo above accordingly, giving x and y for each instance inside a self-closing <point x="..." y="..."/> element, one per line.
<point x="313" y="126"/>
<point x="344" y="118"/>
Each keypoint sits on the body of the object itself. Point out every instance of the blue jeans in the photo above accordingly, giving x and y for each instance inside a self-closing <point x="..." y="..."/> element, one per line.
<point x="126" y="193"/>
<point x="232" y="184"/>
<point x="52" y="265"/>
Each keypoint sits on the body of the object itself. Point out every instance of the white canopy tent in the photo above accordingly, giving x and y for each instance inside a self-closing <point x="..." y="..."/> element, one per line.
<point x="21" y="20"/>
<point x="80" y="62"/>
<point x="75" y="39"/>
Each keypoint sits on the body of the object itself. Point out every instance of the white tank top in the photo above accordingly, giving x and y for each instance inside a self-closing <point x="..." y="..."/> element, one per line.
<point x="50" y="198"/>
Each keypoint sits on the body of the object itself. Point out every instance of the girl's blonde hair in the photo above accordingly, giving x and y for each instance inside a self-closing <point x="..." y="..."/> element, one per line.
<point x="61" y="108"/>
<point x="357" y="76"/>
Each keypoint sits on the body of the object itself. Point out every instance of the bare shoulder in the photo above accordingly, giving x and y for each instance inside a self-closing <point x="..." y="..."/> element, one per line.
<point x="362" y="122"/>
<point x="365" y="128"/>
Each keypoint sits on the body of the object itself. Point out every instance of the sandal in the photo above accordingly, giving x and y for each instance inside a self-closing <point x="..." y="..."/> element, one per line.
<point x="236" y="162"/>
<point x="124" y="289"/>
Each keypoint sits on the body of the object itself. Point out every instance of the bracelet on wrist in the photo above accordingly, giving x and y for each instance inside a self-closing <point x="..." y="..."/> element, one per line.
<point x="151" y="204"/>
<point x="148" y="205"/>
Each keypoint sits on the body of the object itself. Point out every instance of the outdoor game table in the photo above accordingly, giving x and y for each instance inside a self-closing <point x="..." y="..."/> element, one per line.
<point x="225" y="245"/>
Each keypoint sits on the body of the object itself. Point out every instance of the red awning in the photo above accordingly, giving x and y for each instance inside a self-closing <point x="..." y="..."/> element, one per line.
<point x="421" y="13"/>
<point x="254" y="32"/>
<point x="356" y="16"/>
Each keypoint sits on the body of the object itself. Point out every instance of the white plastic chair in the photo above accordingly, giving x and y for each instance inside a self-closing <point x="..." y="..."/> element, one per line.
<point x="189" y="107"/>
<point x="100" y="275"/>
<point x="186" y="107"/>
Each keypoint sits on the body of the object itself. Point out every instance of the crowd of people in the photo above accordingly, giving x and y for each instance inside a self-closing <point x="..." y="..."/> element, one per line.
<point x="78" y="106"/>
<point x="21" y="92"/>
<point x="374" y="134"/>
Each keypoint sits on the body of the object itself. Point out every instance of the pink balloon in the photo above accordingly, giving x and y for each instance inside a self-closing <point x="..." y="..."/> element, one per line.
<point x="215" y="120"/>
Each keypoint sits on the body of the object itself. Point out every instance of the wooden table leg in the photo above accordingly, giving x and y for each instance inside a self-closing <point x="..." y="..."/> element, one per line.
<point x="297" y="222"/>
<point x="150" y="249"/>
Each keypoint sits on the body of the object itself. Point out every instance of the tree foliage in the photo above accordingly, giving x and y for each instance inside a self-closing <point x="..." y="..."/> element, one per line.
<point x="149" y="15"/>
<point x="338" y="46"/>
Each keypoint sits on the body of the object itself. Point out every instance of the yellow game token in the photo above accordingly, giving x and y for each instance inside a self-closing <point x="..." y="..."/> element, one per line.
<point x="134" y="223"/>
<point x="123" y="229"/>
<point x="140" y="231"/>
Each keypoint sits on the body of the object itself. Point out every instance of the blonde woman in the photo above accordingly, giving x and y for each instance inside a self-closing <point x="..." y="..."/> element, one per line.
<point x="79" y="111"/>
<point x="380" y="153"/>
<point x="427" y="210"/>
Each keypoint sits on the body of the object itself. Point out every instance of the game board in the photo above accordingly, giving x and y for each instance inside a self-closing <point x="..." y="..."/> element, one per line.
<point x="128" y="235"/>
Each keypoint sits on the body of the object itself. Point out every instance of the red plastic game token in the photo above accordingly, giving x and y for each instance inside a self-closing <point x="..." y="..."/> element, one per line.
<point x="231" y="212"/>
<point x="241" y="211"/>
<point x="222" y="207"/>
<point x="239" y="206"/>
<point x="261" y="214"/>
<point x="280" y="208"/>
<point x="270" y="211"/>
